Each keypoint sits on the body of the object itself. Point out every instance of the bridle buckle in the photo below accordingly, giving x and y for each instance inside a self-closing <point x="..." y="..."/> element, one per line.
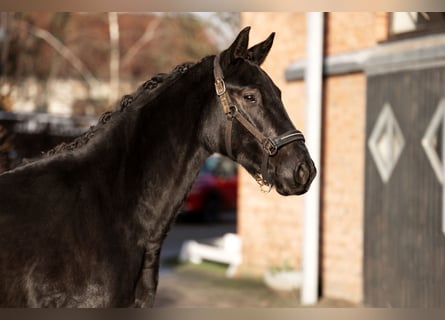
<point x="233" y="110"/>
<point x="220" y="87"/>
<point x="270" y="147"/>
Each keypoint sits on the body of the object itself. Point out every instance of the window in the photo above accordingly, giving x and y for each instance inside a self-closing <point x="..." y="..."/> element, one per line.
<point x="412" y="24"/>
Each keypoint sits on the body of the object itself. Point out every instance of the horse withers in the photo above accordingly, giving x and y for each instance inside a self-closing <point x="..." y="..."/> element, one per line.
<point x="83" y="225"/>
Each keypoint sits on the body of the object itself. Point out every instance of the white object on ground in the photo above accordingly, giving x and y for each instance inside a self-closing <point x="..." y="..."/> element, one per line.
<point x="225" y="249"/>
<point x="284" y="280"/>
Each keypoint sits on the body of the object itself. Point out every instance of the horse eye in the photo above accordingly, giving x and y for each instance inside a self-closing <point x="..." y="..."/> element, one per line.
<point x="250" y="98"/>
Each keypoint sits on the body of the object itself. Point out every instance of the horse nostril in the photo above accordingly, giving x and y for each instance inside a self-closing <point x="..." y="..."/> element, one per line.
<point x="301" y="174"/>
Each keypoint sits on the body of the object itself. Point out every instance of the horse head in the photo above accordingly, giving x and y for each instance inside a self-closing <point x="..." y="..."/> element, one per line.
<point x="256" y="130"/>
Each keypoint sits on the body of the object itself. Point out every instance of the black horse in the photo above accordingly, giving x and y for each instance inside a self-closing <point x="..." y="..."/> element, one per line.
<point x="83" y="226"/>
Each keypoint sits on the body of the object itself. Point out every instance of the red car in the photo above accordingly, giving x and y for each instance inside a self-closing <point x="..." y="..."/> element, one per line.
<point x="214" y="190"/>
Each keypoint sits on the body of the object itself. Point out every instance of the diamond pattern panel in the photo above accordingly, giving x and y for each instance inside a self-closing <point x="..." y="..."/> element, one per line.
<point x="386" y="142"/>
<point x="433" y="139"/>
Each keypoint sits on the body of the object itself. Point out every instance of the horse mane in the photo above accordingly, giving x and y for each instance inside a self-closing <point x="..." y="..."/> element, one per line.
<point x="147" y="89"/>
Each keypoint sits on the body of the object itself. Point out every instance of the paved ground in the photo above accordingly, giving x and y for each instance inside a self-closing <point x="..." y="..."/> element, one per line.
<point x="198" y="286"/>
<point x="206" y="285"/>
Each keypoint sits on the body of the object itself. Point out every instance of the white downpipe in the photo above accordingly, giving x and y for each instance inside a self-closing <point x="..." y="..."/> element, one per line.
<point x="313" y="81"/>
<point x="443" y="165"/>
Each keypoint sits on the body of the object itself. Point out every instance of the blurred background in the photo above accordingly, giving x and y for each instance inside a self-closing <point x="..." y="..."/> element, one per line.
<point x="373" y="119"/>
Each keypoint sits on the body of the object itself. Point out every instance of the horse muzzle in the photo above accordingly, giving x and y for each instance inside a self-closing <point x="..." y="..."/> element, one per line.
<point x="294" y="179"/>
<point x="304" y="174"/>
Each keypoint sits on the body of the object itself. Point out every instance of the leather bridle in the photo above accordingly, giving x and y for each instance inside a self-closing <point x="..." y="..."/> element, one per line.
<point x="270" y="145"/>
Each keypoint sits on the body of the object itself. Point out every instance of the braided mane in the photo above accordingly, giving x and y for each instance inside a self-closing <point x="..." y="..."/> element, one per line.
<point x="148" y="88"/>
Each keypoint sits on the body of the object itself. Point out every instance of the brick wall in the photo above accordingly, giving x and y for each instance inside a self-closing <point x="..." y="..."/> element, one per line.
<point x="342" y="187"/>
<point x="270" y="225"/>
<point x="344" y="156"/>
<point x="349" y="31"/>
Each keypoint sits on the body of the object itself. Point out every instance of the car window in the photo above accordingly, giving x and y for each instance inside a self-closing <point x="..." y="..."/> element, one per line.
<point x="225" y="168"/>
<point x="219" y="166"/>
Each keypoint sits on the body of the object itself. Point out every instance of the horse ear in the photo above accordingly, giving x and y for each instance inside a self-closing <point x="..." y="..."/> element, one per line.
<point x="258" y="53"/>
<point x="238" y="49"/>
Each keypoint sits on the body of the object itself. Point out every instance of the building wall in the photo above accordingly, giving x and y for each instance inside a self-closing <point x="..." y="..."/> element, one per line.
<point x="349" y="31"/>
<point x="344" y="157"/>
<point x="270" y="225"/>
<point x="343" y="187"/>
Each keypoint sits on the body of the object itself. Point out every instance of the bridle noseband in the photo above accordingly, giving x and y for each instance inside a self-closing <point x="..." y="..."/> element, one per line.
<point x="270" y="145"/>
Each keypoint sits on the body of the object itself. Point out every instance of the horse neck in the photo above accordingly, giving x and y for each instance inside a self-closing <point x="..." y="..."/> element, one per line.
<point x="165" y="149"/>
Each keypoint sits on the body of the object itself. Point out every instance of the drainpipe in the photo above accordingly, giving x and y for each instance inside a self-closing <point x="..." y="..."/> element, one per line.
<point x="442" y="105"/>
<point x="313" y="80"/>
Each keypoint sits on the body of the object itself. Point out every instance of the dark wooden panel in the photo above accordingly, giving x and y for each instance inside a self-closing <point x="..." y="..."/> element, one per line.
<point x="404" y="264"/>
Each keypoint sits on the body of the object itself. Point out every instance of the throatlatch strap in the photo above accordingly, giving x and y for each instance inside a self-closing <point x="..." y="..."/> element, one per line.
<point x="228" y="137"/>
<point x="224" y="100"/>
<point x="220" y="86"/>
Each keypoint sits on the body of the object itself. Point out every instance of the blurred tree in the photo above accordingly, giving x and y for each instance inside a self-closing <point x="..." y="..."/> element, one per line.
<point x="221" y="26"/>
<point x="113" y="25"/>
<point x="98" y="49"/>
